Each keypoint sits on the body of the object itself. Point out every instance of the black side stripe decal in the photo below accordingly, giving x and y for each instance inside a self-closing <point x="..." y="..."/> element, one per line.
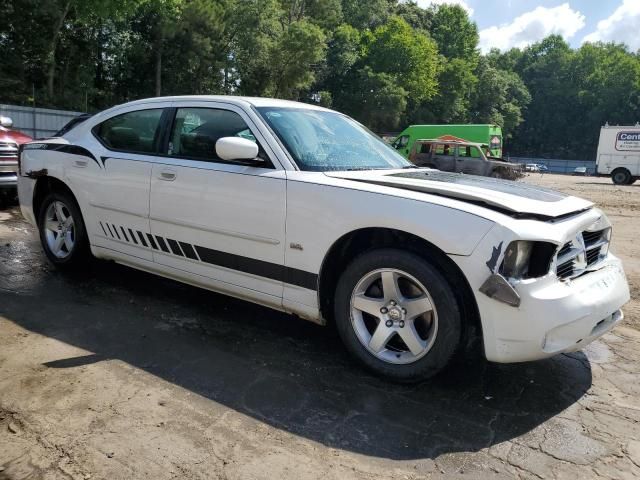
<point x="175" y="248"/>
<point x="189" y="251"/>
<point x="260" y="268"/>
<point x="115" y="229"/>
<point x="133" y="237"/>
<point x="64" y="148"/>
<point x="163" y="245"/>
<point x="152" y="242"/>
<point x="141" y="237"/>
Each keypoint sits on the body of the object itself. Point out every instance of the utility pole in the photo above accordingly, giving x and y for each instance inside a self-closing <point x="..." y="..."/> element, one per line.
<point x="33" y="103"/>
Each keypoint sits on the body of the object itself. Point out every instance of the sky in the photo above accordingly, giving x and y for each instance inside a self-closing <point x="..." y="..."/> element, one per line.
<point x="517" y="23"/>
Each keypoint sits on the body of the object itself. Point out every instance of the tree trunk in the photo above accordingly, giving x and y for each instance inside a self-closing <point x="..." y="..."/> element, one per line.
<point x="51" y="57"/>
<point x="158" y="47"/>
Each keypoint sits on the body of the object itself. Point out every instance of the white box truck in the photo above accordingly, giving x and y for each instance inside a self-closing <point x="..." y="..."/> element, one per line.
<point x="619" y="153"/>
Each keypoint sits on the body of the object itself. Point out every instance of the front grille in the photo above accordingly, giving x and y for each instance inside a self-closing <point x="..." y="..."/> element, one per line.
<point x="565" y="261"/>
<point x="592" y="237"/>
<point x="593" y="255"/>
<point x="584" y="251"/>
<point x="8" y="150"/>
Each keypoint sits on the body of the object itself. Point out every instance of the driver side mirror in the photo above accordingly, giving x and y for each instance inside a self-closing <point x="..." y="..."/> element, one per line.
<point x="6" y="122"/>
<point x="237" y="149"/>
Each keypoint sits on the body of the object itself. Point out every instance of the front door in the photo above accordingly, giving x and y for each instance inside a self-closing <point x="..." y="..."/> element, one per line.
<point x="444" y="157"/>
<point x="469" y="159"/>
<point x="222" y="223"/>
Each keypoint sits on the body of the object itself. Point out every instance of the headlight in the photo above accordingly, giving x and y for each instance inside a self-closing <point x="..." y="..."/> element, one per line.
<point x="525" y="259"/>
<point x="516" y="259"/>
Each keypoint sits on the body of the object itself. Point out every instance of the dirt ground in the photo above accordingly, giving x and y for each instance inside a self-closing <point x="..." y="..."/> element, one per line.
<point x="116" y="374"/>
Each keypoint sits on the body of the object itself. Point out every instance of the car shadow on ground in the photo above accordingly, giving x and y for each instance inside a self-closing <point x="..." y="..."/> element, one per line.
<point x="600" y="184"/>
<point x="286" y="372"/>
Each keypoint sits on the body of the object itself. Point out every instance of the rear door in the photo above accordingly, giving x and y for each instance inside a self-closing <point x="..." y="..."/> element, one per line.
<point x="116" y="179"/>
<point x="222" y="223"/>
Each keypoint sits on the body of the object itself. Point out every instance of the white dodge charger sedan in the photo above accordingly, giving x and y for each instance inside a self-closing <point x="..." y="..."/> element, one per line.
<point x="304" y="210"/>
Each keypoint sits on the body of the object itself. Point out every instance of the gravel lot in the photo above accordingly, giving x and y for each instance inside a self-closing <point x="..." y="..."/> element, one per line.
<point x="116" y="374"/>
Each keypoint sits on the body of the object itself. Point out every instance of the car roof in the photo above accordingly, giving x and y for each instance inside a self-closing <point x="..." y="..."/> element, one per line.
<point x="449" y="142"/>
<point x="238" y="100"/>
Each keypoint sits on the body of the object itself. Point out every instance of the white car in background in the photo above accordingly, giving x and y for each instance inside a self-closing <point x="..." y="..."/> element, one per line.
<point x="302" y="209"/>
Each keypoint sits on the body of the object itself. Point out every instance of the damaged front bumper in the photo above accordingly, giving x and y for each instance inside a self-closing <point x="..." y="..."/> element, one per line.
<point x="556" y="317"/>
<point x="553" y="316"/>
<point x="536" y="318"/>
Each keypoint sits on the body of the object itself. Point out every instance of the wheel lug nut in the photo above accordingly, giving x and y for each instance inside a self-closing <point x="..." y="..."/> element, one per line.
<point x="383" y="310"/>
<point x="392" y="303"/>
<point x="401" y="323"/>
<point x="404" y="310"/>
<point x="389" y="323"/>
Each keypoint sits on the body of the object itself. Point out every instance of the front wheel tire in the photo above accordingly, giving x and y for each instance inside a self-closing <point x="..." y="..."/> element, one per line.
<point x="397" y="314"/>
<point x="62" y="231"/>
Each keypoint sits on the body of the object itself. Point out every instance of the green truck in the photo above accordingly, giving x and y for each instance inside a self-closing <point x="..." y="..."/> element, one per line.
<point x="490" y="135"/>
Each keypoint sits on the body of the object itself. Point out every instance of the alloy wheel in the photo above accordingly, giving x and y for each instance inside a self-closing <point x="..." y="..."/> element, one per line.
<point x="59" y="229"/>
<point x="394" y="316"/>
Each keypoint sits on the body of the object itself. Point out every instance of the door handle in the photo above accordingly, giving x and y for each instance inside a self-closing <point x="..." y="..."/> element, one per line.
<point x="167" y="175"/>
<point x="80" y="163"/>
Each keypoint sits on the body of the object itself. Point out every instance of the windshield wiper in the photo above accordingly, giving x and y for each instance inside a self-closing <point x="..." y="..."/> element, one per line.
<point x="410" y="166"/>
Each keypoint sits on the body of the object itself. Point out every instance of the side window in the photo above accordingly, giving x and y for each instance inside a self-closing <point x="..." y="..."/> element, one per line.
<point x="401" y="142"/>
<point x="468" y="151"/>
<point x="132" y="131"/>
<point x="444" y="149"/>
<point x="196" y="131"/>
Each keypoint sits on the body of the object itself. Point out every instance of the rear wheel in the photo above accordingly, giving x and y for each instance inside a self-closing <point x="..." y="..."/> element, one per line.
<point x="397" y="315"/>
<point x="62" y="231"/>
<point x="621" y="176"/>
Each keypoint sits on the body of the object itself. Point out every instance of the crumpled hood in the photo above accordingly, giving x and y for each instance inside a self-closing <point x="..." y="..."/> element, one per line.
<point x="517" y="199"/>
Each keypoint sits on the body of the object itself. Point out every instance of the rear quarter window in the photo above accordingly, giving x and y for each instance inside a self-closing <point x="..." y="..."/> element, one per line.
<point x="135" y="132"/>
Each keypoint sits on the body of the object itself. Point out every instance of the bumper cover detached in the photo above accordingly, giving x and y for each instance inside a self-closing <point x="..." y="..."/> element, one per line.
<point x="556" y="316"/>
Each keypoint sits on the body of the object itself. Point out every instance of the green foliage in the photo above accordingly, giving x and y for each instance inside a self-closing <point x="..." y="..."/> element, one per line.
<point x="378" y="101"/>
<point x="455" y="34"/>
<point x="386" y="62"/>
<point x="293" y="56"/>
<point x="363" y="14"/>
<point x="500" y="98"/>
<point x="409" y="57"/>
<point x="457" y="84"/>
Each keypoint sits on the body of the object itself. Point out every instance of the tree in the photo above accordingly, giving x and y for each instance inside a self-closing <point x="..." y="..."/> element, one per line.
<point x="455" y="34"/>
<point x="419" y="18"/>
<point x="295" y="53"/>
<point x="500" y="98"/>
<point x="409" y="57"/>
<point x="60" y="10"/>
<point x="378" y="101"/>
<point x="457" y="82"/>
<point x="363" y="14"/>
<point x="545" y="68"/>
